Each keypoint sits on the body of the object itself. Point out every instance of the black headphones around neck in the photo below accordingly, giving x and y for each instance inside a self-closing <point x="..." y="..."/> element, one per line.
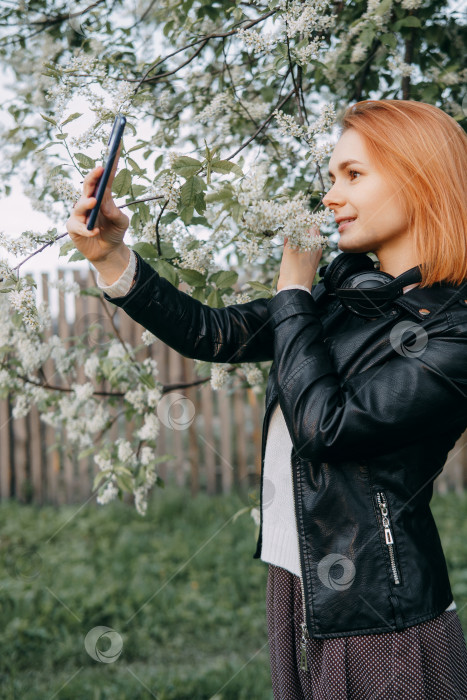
<point x="361" y="287"/>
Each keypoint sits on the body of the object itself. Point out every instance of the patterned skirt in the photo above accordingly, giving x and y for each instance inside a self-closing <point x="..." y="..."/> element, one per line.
<point x="427" y="661"/>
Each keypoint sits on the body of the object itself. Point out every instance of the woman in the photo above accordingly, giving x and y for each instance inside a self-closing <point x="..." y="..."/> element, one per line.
<point x="357" y="424"/>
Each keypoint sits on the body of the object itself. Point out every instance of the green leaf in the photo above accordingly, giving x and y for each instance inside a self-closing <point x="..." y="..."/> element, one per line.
<point x="186" y="214"/>
<point x="169" y="217"/>
<point x="138" y="190"/>
<point x="72" y="117"/>
<point x="200" y="220"/>
<point x="166" y="270"/>
<point x="214" y="300"/>
<point x="47" y="145"/>
<point x="189" y="189"/>
<point x="135" y="166"/>
<point x="66" y="247"/>
<point x="100" y="476"/>
<point x="91" y="292"/>
<point x="224" y="195"/>
<point x="167" y="250"/>
<point x="146" y="250"/>
<point x="158" y="162"/>
<point x="199" y="294"/>
<point x="76" y="256"/>
<point x="225" y="166"/>
<point x="409" y="21"/>
<point x="200" y="203"/>
<point x="224" y="278"/>
<point x="122" y="183"/>
<point x="49" y="119"/>
<point x="259" y="286"/>
<point x="84" y="161"/>
<point x="144" y="212"/>
<point x="186" y="166"/>
<point x="192" y="277"/>
<point x="389" y="40"/>
<point x="56" y="171"/>
<point x="124" y="482"/>
<point x="366" y="36"/>
<point x="237" y="211"/>
<point x="135" y="221"/>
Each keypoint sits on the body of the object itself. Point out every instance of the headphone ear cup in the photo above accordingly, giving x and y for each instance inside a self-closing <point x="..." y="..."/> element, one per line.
<point x="343" y="266"/>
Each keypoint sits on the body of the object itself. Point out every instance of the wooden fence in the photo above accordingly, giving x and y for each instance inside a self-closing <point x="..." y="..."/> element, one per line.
<point x="219" y="451"/>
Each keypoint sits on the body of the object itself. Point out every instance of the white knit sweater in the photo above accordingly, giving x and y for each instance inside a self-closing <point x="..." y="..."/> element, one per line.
<point x="279" y="535"/>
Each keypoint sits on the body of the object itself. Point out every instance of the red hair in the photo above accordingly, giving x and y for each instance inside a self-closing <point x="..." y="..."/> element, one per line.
<point x="424" y="151"/>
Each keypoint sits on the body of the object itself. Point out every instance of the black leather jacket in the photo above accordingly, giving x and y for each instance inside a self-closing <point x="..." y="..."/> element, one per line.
<point x="372" y="414"/>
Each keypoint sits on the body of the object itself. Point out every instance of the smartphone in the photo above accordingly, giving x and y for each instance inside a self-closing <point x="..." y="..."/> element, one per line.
<point x="112" y="147"/>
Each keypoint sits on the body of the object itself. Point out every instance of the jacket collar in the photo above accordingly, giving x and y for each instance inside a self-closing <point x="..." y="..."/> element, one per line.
<point x="420" y="303"/>
<point x="429" y="301"/>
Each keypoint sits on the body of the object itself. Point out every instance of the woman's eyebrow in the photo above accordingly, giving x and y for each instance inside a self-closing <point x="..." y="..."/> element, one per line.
<point x="345" y="163"/>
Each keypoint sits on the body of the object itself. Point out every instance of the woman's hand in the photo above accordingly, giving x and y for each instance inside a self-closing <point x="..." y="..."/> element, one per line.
<point x="111" y="224"/>
<point x="298" y="267"/>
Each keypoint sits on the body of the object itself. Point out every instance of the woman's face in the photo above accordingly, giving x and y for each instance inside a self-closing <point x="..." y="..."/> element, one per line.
<point x="361" y="192"/>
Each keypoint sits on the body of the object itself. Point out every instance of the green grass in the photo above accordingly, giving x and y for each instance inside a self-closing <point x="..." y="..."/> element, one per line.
<point x="179" y="586"/>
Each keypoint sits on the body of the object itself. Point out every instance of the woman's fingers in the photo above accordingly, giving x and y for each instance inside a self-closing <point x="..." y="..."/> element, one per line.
<point x="91" y="180"/>
<point x="77" y="222"/>
<point x="83" y="206"/>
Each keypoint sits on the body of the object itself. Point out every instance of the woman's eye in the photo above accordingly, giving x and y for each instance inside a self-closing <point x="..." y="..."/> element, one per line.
<point x="354" y="172"/>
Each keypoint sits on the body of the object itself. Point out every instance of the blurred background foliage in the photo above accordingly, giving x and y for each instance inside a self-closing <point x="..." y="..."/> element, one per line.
<point x="180" y="586"/>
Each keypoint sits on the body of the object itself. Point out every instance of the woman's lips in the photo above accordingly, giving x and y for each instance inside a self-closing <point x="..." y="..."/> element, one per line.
<point x="344" y="225"/>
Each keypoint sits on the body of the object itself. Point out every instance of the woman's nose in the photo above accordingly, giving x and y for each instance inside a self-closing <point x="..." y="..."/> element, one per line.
<point x="332" y="197"/>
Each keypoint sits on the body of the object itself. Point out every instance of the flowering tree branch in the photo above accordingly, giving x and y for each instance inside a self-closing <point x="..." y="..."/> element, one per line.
<point x="258" y="84"/>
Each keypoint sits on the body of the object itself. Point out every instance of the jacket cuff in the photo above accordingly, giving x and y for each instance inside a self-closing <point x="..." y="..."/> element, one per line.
<point x="144" y="280"/>
<point x="288" y="303"/>
<point x="122" y="286"/>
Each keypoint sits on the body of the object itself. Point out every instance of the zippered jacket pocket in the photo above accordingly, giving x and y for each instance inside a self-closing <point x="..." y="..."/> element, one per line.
<point x="385" y="525"/>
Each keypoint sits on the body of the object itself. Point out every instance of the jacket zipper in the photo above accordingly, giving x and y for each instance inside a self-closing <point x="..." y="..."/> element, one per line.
<point x="305" y="635"/>
<point x="388" y="536"/>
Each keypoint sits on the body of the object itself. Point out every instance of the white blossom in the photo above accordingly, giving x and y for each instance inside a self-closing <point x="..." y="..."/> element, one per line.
<point x="137" y="398"/>
<point x="104" y="463"/>
<point x="141" y="503"/>
<point x="125" y="452"/>
<point x="257" y="41"/>
<point x="219" y="376"/>
<point x="256" y="515"/>
<point x="65" y="286"/>
<point x="109" y="492"/>
<point x="147" y="455"/>
<point x="358" y="53"/>
<point x="254" y="376"/>
<point x="150" y="428"/>
<point x="168" y="188"/>
<point x="22" y="406"/>
<point x="116" y="350"/>
<point x="398" y="65"/>
<point x="65" y="189"/>
<point x="83" y="392"/>
<point x="153" y="396"/>
<point x="148" y="338"/>
<point x="220" y="104"/>
<point x="411" y="4"/>
<point x="24" y="301"/>
<point x="91" y="366"/>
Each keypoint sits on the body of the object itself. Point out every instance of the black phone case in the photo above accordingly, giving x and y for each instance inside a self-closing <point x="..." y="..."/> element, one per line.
<point x="113" y="143"/>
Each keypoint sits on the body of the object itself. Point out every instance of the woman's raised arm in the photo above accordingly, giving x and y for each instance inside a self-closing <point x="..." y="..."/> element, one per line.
<point x="237" y="333"/>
